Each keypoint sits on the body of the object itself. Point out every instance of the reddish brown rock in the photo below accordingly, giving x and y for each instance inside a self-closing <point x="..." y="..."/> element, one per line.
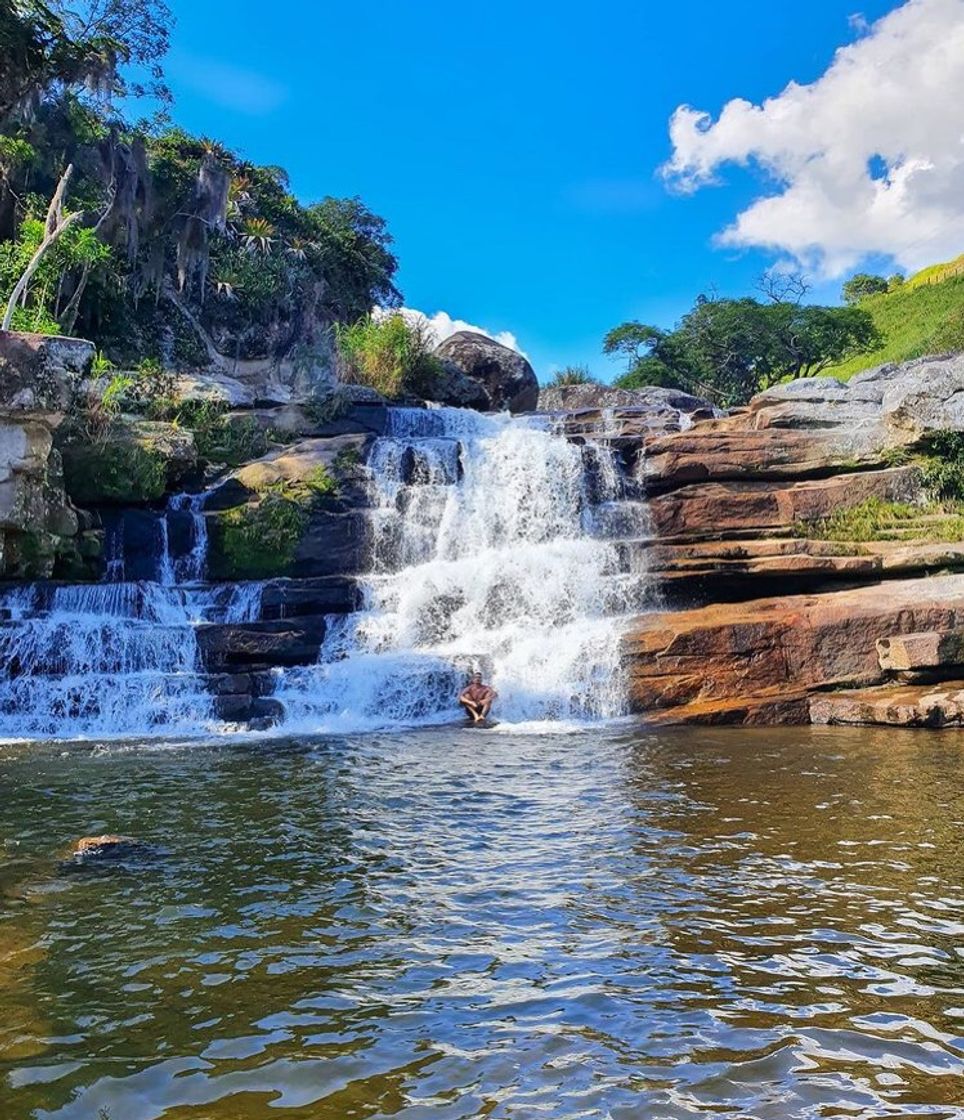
<point x="720" y="452"/>
<point x="893" y="706"/>
<point x="930" y="650"/>
<point x="715" y="563"/>
<point x="718" y="508"/>
<point x="721" y="654"/>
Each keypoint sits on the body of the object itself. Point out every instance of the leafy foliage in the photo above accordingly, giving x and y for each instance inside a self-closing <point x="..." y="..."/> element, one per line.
<point x="259" y="540"/>
<point x="729" y="349"/>
<point x="862" y="285"/>
<point x="186" y="250"/>
<point x="944" y="466"/>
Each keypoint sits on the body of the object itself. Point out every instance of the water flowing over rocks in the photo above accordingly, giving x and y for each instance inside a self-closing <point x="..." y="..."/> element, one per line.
<point x="623" y="550"/>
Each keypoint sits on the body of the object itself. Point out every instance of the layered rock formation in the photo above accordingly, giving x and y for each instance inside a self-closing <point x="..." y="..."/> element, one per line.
<point x="777" y="610"/>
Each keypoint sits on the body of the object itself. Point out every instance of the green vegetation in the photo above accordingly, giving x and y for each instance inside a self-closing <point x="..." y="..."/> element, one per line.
<point x="172" y="244"/>
<point x="259" y="540"/>
<point x="572" y="375"/>
<point x="114" y="471"/>
<point x="219" y="438"/>
<point x="944" y="466"/>
<point x="924" y="315"/>
<point x="389" y="354"/>
<point x="729" y="349"/>
<point x="877" y="520"/>
<point x="862" y="285"/>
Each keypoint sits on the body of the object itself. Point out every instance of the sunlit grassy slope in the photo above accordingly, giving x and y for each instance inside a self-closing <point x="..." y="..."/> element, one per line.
<point x="925" y="315"/>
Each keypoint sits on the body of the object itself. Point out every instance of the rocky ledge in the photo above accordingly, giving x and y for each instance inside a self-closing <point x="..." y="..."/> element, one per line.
<point x="791" y="537"/>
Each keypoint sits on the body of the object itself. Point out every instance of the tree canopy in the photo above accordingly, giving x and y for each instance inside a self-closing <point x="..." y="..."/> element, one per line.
<point x="862" y="285"/>
<point x="729" y="349"/>
<point x="185" y="250"/>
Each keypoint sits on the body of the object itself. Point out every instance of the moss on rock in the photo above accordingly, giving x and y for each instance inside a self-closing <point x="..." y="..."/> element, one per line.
<point x="259" y="540"/>
<point x="111" y="472"/>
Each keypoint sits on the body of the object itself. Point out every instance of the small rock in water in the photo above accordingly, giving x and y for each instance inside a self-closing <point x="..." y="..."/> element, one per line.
<point x="95" y="850"/>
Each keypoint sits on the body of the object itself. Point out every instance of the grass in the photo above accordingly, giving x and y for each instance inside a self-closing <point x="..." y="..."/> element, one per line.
<point x="572" y="375"/>
<point x="389" y="354"/>
<point x="925" y="315"/>
<point x="877" y="520"/>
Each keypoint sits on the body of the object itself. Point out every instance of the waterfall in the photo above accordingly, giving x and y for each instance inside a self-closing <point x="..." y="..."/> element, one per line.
<point x="119" y="658"/>
<point x="490" y="551"/>
<point x="191" y="568"/>
<point x="106" y="659"/>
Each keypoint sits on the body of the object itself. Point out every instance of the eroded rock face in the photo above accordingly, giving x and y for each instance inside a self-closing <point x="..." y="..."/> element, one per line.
<point x="37" y="378"/>
<point x="717" y="508"/>
<point x="653" y="398"/>
<point x="506" y="377"/>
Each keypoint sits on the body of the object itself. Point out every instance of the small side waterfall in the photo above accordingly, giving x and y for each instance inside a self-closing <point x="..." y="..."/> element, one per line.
<point x="119" y="658"/>
<point x="490" y="551"/>
<point x="105" y="659"/>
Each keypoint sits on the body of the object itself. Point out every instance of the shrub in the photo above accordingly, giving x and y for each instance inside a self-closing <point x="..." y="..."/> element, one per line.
<point x="389" y="354"/>
<point x="259" y="541"/>
<point x="573" y="375"/>
<point x="944" y="466"/>
<point x="112" y="471"/>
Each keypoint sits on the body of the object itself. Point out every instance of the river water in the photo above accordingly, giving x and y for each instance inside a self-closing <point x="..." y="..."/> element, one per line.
<point x="451" y="923"/>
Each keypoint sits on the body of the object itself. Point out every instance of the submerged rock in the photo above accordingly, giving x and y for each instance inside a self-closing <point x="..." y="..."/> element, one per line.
<point x="96" y="851"/>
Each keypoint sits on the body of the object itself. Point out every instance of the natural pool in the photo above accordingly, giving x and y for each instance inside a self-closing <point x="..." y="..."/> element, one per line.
<point x="443" y="924"/>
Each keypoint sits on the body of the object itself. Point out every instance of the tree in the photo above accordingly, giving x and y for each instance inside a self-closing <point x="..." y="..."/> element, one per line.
<point x="729" y="349"/>
<point x="862" y="285"/>
<point x="55" y="227"/>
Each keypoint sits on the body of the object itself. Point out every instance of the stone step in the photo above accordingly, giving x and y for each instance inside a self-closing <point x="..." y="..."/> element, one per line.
<point x="929" y="650"/>
<point x="901" y="705"/>
<point x="281" y="642"/>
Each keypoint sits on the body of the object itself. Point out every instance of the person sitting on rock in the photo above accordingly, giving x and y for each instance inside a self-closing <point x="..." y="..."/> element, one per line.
<point x="477" y="698"/>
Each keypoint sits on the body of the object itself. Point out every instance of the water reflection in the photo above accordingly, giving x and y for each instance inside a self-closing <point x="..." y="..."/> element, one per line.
<point x="724" y="923"/>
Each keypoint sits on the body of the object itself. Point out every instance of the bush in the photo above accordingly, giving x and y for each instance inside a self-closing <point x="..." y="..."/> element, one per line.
<point x="389" y="354"/>
<point x="573" y="375"/>
<point x="944" y="466"/>
<point x="259" y="541"/>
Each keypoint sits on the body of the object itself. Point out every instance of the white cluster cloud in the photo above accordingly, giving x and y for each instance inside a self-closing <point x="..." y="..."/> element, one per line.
<point x="867" y="159"/>
<point x="443" y="326"/>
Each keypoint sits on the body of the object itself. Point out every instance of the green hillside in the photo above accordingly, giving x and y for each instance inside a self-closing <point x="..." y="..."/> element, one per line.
<point x="925" y="315"/>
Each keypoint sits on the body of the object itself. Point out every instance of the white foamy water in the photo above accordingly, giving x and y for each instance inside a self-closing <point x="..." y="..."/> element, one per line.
<point x="104" y="659"/>
<point x="489" y="551"/>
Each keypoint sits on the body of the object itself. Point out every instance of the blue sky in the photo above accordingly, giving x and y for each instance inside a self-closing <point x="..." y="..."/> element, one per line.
<point x="513" y="148"/>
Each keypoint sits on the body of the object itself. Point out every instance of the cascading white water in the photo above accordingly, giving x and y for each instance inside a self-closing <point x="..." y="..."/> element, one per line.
<point x="190" y="568"/>
<point x="118" y="658"/>
<point x="484" y="555"/>
<point x="102" y="659"/>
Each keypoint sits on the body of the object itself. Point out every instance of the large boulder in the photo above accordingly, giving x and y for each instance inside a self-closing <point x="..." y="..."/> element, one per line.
<point x="505" y="375"/>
